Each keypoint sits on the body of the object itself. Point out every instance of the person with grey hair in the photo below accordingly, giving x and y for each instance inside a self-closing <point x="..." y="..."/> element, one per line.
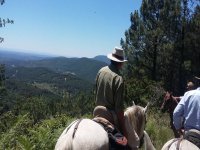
<point x="110" y="90"/>
<point x="189" y="109"/>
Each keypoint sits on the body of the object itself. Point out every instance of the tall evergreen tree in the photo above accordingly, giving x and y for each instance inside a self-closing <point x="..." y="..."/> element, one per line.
<point x="156" y="43"/>
<point x="192" y="42"/>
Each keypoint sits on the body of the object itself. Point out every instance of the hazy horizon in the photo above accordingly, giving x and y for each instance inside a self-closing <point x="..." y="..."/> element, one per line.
<point x="40" y="54"/>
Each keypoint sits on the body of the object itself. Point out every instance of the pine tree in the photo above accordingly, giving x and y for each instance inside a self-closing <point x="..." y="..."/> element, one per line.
<point x="157" y="44"/>
<point x="192" y="43"/>
<point x="3" y="22"/>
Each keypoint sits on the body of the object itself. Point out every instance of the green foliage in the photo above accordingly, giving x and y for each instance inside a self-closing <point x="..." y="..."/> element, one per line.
<point x="83" y="104"/>
<point x="2" y="80"/>
<point x="18" y="127"/>
<point x="142" y="91"/>
<point x="83" y="68"/>
<point x="45" y="134"/>
<point x="6" y="121"/>
<point x="23" y="134"/>
<point x="50" y="80"/>
<point x="24" y="143"/>
<point x="158" y="43"/>
<point x="37" y="108"/>
<point x="158" y="128"/>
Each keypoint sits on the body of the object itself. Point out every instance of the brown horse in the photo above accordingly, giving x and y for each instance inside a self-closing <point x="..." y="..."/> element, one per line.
<point x="169" y="104"/>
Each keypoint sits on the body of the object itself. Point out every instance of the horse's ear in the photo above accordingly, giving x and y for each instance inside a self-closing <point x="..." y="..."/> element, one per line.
<point x="133" y="103"/>
<point x="145" y="109"/>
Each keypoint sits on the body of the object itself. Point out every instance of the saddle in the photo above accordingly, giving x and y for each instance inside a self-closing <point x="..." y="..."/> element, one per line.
<point x="193" y="136"/>
<point x="116" y="140"/>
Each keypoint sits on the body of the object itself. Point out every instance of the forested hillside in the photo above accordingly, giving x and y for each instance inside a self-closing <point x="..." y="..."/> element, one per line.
<point x="30" y="95"/>
<point x="35" y="88"/>
<point x="48" y="79"/>
<point x="84" y="68"/>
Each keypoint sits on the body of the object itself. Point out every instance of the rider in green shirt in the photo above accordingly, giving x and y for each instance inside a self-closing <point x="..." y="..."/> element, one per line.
<point x="109" y="91"/>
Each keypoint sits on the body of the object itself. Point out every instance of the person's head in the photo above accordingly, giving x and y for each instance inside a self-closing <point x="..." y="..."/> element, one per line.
<point x="117" y="57"/>
<point x="190" y="86"/>
<point x="117" y="64"/>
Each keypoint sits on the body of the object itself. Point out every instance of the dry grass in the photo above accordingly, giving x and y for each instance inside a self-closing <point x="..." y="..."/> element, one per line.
<point x="158" y="128"/>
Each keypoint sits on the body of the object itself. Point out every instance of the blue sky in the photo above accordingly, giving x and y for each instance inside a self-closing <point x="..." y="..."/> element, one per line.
<point x="71" y="28"/>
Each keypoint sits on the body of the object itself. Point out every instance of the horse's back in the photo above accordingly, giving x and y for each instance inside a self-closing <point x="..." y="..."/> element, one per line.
<point x="88" y="136"/>
<point x="174" y="144"/>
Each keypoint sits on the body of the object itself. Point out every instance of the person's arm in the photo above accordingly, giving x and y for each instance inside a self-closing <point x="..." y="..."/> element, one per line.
<point x="176" y="99"/>
<point x="119" y="104"/>
<point x="121" y="120"/>
<point x="178" y="115"/>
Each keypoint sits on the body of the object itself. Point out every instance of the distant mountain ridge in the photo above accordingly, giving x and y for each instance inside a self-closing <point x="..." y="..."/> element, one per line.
<point x="84" y="68"/>
<point x="102" y="58"/>
<point x="9" y="54"/>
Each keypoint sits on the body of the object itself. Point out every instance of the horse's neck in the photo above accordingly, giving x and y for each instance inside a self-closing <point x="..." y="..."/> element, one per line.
<point x="133" y="138"/>
<point x="147" y="142"/>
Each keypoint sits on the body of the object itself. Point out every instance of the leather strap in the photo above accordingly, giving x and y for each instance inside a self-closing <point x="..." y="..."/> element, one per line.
<point x="76" y="127"/>
<point x="171" y="143"/>
<point x="178" y="143"/>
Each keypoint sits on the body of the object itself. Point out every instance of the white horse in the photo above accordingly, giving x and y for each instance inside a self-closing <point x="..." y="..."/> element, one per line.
<point x="90" y="135"/>
<point x="179" y="144"/>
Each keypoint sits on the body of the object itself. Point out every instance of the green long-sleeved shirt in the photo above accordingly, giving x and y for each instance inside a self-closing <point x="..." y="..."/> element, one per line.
<point x="109" y="88"/>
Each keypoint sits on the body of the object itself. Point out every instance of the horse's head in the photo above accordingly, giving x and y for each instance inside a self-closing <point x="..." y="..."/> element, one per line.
<point x="166" y="99"/>
<point x="167" y="96"/>
<point x="136" y="119"/>
<point x="169" y="102"/>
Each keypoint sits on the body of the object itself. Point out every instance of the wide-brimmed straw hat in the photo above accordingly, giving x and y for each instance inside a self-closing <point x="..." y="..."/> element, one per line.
<point x="117" y="55"/>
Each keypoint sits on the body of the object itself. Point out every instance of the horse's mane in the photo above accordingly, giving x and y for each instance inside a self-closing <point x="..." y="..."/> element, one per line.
<point x="136" y="117"/>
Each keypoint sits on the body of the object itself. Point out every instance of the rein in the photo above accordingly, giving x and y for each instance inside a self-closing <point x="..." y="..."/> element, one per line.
<point x="178" y="143"/>
<point x="76" y="127"/>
